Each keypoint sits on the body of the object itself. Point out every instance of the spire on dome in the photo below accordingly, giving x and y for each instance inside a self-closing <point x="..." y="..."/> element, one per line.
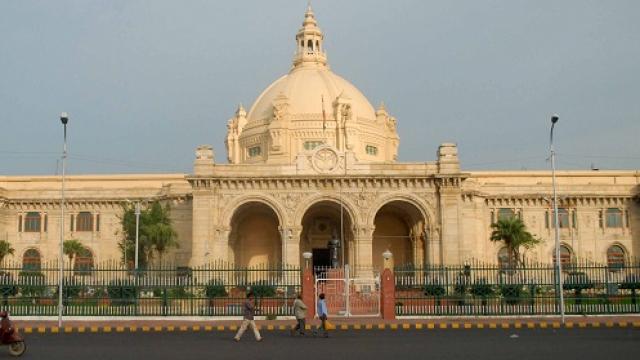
<point x="309" y="39"/>
<point x="241" y="112"/>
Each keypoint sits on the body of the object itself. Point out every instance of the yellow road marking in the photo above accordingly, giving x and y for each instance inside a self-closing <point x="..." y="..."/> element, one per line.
<point x="270" y="327"/>
<point x="394" y="326"/>
<point x="42" y="329"/>
<point x="106" y="329"/>
<point x="623" y="324"/>
<point x="133" y="328"/>
<point x="381" y="326"/>
<point x="582" y="324"/>
<point x="636" y="324"/>
<point x="196" y="328"/>
<point x="517" y="325"/>
<point x="209" y="328"/>
<point x="431" y="326"/>
<point x="157" y="328"/>
<point x="406" y="326"/>
<point x="493" y="325"/>
<point x="344" y="327"/>
<point x="146" y="328"/>
<point x="184" y="328"/>
<point x="28" y="330"/>
<point x="232" y="327"/>
<point x="282" y="327"/>
<point x="505" y="325"/>
<point x="543" y="325"/>
<point x="455" y="326"/>
<point x="171" y="328"/>
<point x="368" y="326"/>
<point x="443" y="325"/>
<point x="356" y="326"/>
<point x="609" y="324"/>
<point x="55" y="329"/>
<point x="531" y="325"/>
<point x="595" y="324"/>
<point x="568" y="325"/>
<point x="120" y="329"/>
<point x="68" y="329"/>
<point x="418" y="326"/>
<point x="467" y="325"/>
<point x="480" y="325"/>
<point x="555" y="325"/>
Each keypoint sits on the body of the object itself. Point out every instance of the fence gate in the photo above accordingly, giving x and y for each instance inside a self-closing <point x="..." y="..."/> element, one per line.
<point x="346" y="296"/>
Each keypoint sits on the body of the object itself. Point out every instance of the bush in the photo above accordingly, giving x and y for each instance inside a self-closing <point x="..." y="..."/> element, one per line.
<point x="7" y="286"/>
<point x="511" y="293"/>
<point x="481" y="288"/>
<point x="31" y="283"/>
<point x="215" y="289"/>
<point x="436" y="290"/>
<point x="263" y="289"/>
<point x="631" y="282"/>
<point x="122" y="292"/>
<point x="577" y="281"/>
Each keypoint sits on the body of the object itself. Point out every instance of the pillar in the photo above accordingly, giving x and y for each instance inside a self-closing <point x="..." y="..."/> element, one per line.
<point x="309" y="292"/>
<point x="387" y="295"/>
<point x="364" y="251"/>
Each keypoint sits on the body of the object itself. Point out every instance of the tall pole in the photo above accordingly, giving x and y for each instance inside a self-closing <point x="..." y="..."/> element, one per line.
<point x="559" y="289"/>
<point x="137" y="232"/>
<point x="64" y="118"/>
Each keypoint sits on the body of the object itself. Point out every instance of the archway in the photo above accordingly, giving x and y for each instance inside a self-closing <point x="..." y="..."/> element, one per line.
<point x="323" y="221"/>
<point x="399" y="228"/>
<point x="255" y="238"/>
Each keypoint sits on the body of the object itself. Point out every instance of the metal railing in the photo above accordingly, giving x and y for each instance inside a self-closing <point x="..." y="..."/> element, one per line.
<point x="108" y="289"/>
<point x="487" y="289"/>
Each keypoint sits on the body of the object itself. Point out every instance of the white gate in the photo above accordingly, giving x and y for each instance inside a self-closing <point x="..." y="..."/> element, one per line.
<point x="346" y="296"/>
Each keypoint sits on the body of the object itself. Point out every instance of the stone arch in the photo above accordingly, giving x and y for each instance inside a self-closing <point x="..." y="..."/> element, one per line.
<point x="399" y="222"/>
<point x="321" y="219"/>
<point x="255" y="237"/>
<point x="420" y="204"/>
<point x="309" y="202"/>
<point x="230" y="209"/>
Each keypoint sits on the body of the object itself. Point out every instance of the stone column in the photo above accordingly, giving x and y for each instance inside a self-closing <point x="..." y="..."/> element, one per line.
<point x="450" y="220"/>
<point x="291" y="245"/>
<point x="204" y="240"/>
<point x="363" y="266"/>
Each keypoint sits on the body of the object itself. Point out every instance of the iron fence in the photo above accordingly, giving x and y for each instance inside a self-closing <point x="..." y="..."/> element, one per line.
<point x="530" y="289"/>
<point x="108" y="289"/>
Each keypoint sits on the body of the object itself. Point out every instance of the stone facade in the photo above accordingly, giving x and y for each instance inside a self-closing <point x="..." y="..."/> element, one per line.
<point x="312" y="161"/>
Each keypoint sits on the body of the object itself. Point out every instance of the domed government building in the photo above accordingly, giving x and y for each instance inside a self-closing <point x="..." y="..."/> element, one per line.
<point x="310" y="161"/>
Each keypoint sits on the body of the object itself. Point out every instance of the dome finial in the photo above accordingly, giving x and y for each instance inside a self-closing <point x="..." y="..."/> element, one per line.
<point x="309" y="42"/>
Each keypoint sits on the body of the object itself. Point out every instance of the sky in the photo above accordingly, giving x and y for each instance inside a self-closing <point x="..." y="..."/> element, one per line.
<point x="146" y="82"/>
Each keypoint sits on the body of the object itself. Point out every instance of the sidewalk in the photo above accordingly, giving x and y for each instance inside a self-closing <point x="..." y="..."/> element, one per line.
<point x="181" y="325"/>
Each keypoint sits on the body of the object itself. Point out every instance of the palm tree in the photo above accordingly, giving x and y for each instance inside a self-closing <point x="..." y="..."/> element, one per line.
<point x="72" y="248"/>
<point x="5" y="249"/>
<point x="513" y="233"/>
<point x="162" y="237"/>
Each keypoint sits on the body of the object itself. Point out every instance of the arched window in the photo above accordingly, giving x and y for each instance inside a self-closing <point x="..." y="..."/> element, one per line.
<point x="615" y="257"/>
<point x="31" y="260"/>
<point x="310" y="45"/>
<point x="503" y="258"/>
<point x="563" y="218"/>
<point x="84" y="262"/>
<point x="317" y="45"/>
<point x="566" y="256"/>
<point x="32" y="222"/>
<point x="614" y="218"/>
<point x="84" y="221"/>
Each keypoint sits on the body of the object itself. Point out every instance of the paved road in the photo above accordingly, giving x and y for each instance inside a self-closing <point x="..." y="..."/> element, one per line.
<point x="493" y="344"/>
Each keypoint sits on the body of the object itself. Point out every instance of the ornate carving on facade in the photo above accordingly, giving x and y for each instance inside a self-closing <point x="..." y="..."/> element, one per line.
<point x="325" y="160"/>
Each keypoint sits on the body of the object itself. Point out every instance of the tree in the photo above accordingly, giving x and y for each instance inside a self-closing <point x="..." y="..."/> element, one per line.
<point x="5" y="249"/>
<point x="513" y="233"/>
<point x="72" y="248"/>
<point x="156" y="233"/>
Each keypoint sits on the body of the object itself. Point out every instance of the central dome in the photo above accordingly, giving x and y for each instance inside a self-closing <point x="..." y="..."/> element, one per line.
<point x="306" y="88"/>
<point x="308" y="107"/>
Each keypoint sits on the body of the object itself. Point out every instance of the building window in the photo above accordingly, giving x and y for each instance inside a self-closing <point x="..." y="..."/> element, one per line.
<point x="32" y="222"/>
<point x="506" y="213"/>
<point x="574" y="219"/>
<point x="19" y="223"/>
<point x="566" y="257"/>
<point x="614" y="218"/>
<point x="84" y="262"/>
<point x="71" y="223"/>
<point x="615" y="257"/>
<point x="255" y="151"/>
<point x="31" y="260"/>
<point x="563" y="218"/>
<point x="371" y="150"/>
<point x="84" y="221"/>
<point x="310" y="145"/>
<point x="97" y="222"/>
<point x="46" y="222"/>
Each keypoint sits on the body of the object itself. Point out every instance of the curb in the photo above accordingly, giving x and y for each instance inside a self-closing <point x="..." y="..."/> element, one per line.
<point x="340" y="327"/>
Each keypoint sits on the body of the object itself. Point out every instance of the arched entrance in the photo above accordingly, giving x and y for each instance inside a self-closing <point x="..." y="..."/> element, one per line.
<point x="399" y="228"/>
<point x="254" y="238"/>
<point x="322" y="222"/>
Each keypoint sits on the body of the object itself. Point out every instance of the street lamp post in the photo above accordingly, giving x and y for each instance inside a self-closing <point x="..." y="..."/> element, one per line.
<point x="64" y="118"/>
<point x="559" y="289"/>
<point x="137" y="233"/>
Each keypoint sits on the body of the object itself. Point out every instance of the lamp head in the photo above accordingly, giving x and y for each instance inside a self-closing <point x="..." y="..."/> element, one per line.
<point x="554" y="118"/>
<point x="307" y="255"/>
<point x="64" y="118"/>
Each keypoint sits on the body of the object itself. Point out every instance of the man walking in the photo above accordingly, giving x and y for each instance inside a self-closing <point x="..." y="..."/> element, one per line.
<point x="249" y="312"/>
<point x="300" y="311"/>
<point x="322" y="315"/>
